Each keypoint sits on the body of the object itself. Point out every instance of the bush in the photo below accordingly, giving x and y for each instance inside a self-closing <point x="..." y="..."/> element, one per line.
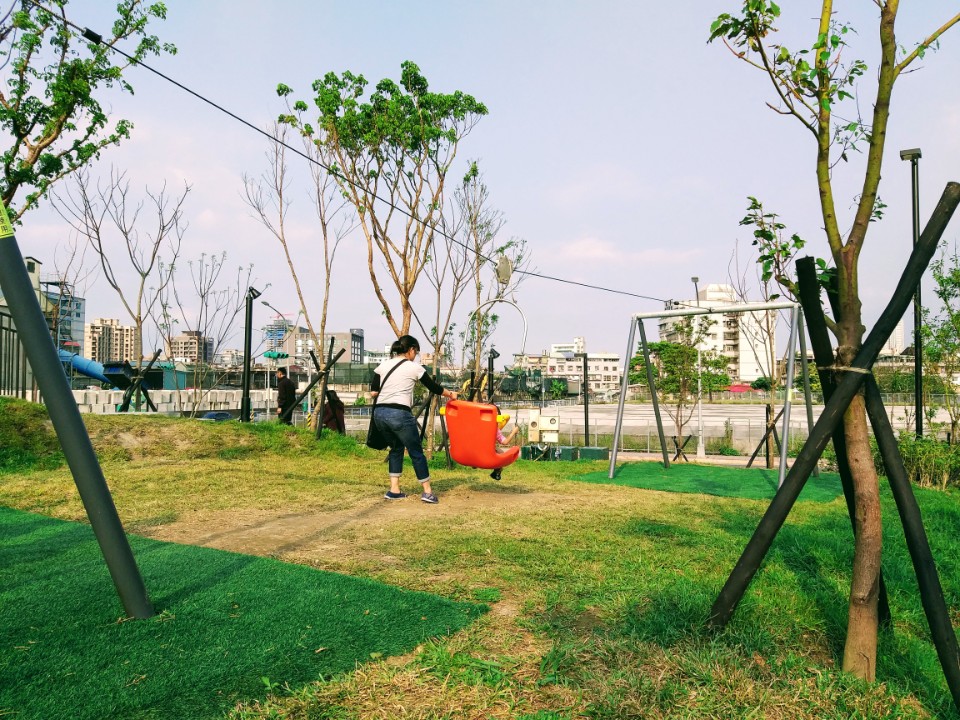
<point x="929" y="462"/>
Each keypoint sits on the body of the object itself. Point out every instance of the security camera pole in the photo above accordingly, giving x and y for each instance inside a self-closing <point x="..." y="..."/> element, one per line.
<point x="913" y="155"/>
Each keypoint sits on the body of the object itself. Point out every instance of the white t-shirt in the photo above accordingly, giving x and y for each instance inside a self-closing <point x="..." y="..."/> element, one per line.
<point x="398" y="389"/>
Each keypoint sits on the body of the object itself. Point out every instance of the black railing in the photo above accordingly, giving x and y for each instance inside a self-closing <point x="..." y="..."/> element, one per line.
<point x="16" y="378"/>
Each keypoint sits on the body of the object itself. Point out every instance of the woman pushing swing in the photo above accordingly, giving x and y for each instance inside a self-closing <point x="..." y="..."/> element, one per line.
<point x="392" y="387"/>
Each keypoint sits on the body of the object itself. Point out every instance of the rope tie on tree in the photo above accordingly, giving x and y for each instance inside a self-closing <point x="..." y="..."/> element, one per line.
<point x="844" y="368"/>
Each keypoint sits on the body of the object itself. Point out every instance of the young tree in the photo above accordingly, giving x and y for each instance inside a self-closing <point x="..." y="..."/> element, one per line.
<point x="50" y="106"/>
<point x="941" y="336"/>
<point x="677" y="371"/>
<point x="812" y="84"/>
<point x="118" y="232"/>
<point x="391" y="154"/>
<point x="209" y="305"/>
<point x="481" y="224"/>
<point x="774" y="257"/>
<point x="269" y="198"/>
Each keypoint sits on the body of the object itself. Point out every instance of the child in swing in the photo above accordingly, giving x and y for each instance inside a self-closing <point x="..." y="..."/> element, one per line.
<point x="503" y="440"/>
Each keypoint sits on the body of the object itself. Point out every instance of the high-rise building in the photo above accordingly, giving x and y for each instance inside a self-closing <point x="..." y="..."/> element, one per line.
<point x="190" y="347"/>
<point x="895" y="343"/>
<point x="106" y="340"/>
<point x="744" y="337"/>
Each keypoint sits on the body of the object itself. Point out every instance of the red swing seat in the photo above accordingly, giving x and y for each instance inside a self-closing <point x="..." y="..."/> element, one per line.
<point x="472" y="431"/>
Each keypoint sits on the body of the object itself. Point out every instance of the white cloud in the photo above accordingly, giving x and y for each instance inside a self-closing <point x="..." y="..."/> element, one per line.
<point x="597" y="250"/>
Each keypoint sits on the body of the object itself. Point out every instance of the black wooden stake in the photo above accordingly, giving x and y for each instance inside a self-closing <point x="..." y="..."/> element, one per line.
<point x="931" y="593"/>
<point x="809" y="296"/>
<point x="846" y="388"/>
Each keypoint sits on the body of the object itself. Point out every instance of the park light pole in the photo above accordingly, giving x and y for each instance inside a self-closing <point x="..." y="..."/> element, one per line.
<point x="252" y="294"/>
<point x="913" y="155"/>
<point x="701" y="451"/>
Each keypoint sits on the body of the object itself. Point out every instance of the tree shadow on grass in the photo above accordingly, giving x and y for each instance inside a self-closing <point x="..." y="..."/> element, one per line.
<point x="226" y="621"/>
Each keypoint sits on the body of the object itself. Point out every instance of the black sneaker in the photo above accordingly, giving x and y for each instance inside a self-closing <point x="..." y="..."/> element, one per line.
<point x="394" y="496"/>
<point x="429" y="498"/>
<point x="496" y="473"/>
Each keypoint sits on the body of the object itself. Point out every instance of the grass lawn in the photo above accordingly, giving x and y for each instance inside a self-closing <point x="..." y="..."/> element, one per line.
<point x="754" y="483"/>
<point x="228" y="626"/>
<point x="597" y="592"/>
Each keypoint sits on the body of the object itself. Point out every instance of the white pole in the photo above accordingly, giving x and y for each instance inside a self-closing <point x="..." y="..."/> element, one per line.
<point x="701" y="452"/>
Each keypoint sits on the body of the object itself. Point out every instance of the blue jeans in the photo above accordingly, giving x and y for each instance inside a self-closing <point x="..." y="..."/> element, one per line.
<point x="401" y="430"/>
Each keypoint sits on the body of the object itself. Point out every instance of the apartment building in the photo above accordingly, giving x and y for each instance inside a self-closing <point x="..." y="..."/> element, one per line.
<point x="190" y="347"/>
<point x="106" y="340"/>
<point x="565" y="360"/>
<point x="743" y="337"/>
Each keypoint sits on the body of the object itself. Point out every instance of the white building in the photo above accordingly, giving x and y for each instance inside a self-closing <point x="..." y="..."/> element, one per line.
<point x="565" y="360"/>
<point x="744" y="338"/>
<point x="105" y="340"/>
<point x="895" y="343"/>
<point x="232" y="357"/>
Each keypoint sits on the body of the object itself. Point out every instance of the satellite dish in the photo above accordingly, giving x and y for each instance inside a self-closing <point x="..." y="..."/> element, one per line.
<point x="504" y="270"/>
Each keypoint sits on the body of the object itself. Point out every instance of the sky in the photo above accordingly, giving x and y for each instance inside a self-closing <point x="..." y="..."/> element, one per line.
<point x="619" y="144"/>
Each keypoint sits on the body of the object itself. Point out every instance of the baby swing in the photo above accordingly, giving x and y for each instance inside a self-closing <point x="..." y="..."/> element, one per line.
<point x="472" y="426"/>
<point x="472" y="432"/>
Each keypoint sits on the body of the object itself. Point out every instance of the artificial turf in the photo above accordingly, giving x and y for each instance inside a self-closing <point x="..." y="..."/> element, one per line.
<point x="754" y="483"/>
<point x="228" y="626"/>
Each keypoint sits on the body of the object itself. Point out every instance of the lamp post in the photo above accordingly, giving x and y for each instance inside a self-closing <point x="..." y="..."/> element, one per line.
<point x="701" y="452"/>
<point x="913" y="155"/>
<point x="252" y="294"/>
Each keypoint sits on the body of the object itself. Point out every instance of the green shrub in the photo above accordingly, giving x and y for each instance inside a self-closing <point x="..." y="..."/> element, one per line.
<point x="929" y="462"/>
<point x="27" y="439"/>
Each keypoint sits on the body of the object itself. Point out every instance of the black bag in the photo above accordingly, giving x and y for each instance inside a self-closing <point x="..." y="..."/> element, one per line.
<point x="375" y="438"/>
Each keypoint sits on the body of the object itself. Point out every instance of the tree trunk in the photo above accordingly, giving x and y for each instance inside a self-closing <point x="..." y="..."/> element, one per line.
<point x="860" y="650"/>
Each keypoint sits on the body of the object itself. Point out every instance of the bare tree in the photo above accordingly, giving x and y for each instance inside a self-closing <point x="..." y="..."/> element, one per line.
<point x="116" y="228"/>
<point x="268" y="196"/>
<point x="207" y="304"/>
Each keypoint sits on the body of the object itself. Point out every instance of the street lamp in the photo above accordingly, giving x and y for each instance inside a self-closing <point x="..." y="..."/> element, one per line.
<point x="252" y="294"/>
<point x="701" y="451"/>
<point x="913" y="155"/>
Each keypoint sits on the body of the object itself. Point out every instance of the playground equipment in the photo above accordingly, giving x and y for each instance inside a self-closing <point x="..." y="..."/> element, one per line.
<point x="85" y="366"/>
<point x="120" y="375"/>
<point x="636" y="322"/>
<point x="472" y="432"/>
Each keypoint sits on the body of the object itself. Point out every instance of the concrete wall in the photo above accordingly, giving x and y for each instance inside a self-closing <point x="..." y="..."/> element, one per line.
<point x="172" y="402"/>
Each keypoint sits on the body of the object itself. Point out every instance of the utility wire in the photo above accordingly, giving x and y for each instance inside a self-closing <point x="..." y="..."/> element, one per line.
<point x="96" y="38"/>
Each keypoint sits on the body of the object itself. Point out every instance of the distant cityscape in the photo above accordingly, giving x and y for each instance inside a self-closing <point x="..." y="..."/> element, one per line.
<point x="741" y="337"/>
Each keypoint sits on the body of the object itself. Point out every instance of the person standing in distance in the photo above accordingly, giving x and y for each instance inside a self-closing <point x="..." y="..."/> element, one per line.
<point x="394" y="418"/>
<point x="286" y="396"/>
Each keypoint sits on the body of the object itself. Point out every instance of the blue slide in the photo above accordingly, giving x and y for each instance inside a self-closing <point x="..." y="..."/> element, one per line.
<point x="85" y="366"/>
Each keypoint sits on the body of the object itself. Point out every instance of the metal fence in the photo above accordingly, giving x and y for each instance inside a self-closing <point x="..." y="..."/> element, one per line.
<point x="16" y="377"/>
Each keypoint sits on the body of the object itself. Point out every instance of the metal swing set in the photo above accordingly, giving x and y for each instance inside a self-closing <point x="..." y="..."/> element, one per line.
<point x="796" y="331"/>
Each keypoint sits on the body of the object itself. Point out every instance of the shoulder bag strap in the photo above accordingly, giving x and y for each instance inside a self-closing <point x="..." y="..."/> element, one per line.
<point x="387" y="377"/>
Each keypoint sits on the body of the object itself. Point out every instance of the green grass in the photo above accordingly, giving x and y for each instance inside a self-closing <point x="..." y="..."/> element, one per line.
<point x="229" y="627"/>
<point x="599" y="592"/>
<point x="754" y="483"/>
<point x="27" y="440"/>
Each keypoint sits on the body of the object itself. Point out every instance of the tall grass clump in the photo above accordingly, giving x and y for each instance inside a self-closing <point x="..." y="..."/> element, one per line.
<point x="27" y="439"/>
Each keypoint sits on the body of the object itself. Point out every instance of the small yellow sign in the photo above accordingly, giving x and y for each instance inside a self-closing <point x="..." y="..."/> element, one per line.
<point x="6" y="229"/>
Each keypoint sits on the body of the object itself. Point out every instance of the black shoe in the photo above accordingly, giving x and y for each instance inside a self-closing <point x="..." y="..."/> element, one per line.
<point x="496" y="473"/>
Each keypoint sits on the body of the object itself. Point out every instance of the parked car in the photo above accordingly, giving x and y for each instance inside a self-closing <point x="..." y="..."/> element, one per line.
<point x="217" y="415"/>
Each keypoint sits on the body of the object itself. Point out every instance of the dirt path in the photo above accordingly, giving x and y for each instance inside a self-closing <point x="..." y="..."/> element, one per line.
<point x="276" y="534"/>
